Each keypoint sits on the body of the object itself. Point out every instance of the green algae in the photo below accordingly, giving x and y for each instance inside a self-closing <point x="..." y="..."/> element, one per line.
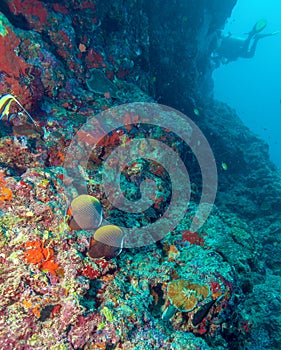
<point x="108" y="314"/>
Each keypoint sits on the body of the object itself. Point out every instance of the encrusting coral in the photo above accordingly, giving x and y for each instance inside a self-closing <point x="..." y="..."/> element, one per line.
<point x="5" y="193"/>
<point x="36" y="253"/>
<point x="185" y="295"/>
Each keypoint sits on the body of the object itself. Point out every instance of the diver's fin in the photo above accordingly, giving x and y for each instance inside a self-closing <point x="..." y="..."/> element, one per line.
<point x="259" y="26"/>
<point x="267" y="34"/>
<point x="276" y="32"/>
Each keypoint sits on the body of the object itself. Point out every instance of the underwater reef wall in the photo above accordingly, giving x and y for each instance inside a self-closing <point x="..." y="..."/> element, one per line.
<point x="183" y="35"/>
<point x="65" y="61"/>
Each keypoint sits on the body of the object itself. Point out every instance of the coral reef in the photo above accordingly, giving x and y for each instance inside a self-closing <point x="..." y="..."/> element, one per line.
<point x="66" y="62"/>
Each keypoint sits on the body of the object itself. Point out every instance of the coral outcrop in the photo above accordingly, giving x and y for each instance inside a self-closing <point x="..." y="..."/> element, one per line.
<point x="67" y="61"/>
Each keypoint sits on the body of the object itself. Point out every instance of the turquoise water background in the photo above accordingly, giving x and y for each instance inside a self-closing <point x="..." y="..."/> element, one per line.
<point x="253" y="86"/>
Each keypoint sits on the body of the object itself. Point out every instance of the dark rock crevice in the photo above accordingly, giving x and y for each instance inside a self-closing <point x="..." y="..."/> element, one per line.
<point x="19" y="21"/>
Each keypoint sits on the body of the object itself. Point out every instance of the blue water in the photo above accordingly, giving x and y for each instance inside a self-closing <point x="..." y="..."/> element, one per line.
<point x="253" y="86"/>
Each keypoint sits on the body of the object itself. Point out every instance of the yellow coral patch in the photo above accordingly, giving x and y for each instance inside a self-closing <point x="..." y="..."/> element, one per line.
<point x="5" y="194"/>
<point x="185" y="295"/>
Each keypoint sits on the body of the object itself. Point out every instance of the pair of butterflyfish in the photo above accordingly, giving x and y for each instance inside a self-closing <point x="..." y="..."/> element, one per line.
<point x="85" y="213"/>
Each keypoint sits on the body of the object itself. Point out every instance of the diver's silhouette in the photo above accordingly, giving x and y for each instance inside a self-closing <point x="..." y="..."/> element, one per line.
<point x="230" y="47"/>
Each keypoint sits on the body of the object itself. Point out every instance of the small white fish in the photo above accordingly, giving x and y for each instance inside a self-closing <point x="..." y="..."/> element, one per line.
<point x="224" y="166"/>
<point x="196" y="112"/>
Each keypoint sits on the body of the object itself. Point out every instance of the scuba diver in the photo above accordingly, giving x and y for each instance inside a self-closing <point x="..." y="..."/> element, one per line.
<point x="230" y="48"/>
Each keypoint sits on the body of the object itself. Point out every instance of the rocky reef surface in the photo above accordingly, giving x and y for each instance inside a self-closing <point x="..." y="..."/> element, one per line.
<point x="217" y="288"/>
